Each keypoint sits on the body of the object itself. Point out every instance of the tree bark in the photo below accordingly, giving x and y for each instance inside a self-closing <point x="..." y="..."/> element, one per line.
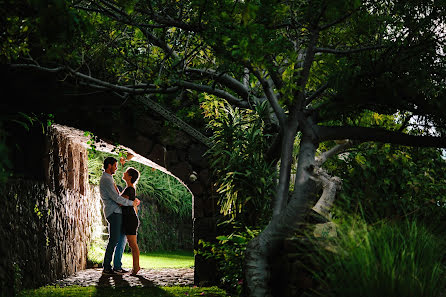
<point x="268" y="242"/>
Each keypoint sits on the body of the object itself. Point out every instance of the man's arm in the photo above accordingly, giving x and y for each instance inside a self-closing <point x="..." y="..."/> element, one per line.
<point x="110" y="191"/>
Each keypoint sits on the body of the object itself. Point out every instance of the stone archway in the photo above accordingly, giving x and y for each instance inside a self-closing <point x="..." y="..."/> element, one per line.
<point x="189" y="168"/>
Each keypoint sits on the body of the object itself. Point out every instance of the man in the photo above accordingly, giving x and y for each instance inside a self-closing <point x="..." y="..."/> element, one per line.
<point x="113" y="213"/>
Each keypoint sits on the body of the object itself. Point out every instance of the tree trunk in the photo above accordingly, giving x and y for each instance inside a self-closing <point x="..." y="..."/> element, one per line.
<point x="268" y="242"/>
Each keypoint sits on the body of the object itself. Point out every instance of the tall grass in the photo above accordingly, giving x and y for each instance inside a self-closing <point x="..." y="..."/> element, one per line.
<point x="403" y="259"/>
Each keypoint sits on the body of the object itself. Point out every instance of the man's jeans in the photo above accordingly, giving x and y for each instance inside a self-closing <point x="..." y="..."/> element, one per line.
<point x="117" y="264"/>
<point x="116" y="235"/>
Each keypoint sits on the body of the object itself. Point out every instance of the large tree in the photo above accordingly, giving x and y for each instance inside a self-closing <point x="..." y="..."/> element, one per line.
<point x="321" y="65"/>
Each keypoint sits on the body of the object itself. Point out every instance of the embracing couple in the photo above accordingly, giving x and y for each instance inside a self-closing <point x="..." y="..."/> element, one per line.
<point x="120" y="210"/>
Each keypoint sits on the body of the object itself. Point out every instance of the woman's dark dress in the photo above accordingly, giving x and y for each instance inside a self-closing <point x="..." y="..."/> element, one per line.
<point x="130" y="220"/>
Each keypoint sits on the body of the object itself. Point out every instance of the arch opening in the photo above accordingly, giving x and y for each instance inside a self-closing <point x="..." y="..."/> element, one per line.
<point x="165" y="212"/>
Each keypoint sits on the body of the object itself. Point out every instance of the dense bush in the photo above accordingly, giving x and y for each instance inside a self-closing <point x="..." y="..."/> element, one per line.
<point x="245" y="180"/>
<point x="389" y="181"/>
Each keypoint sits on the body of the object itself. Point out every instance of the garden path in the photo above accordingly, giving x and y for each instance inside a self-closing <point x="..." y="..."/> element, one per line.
<point x="145" y="278"/>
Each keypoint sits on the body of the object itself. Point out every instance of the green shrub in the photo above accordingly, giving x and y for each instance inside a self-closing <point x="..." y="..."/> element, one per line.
<point x="403" y="259"/>
<point x="245" y="181"/>
<point x="229" y="254"/>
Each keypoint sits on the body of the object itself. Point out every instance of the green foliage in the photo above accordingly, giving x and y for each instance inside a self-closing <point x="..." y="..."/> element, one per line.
<point x="93" y="139"/>
<point x="73" y="291"/>
<point x="96" y="251"/>
<point x="229" y="253"/>
<point x="166" y="190"/>
<point x="403" y="259"/>
<point x="389" y="181"/>
<point x="245" y="181"/>
<point x="42" y="27"/>
<point x="161" y="229"/>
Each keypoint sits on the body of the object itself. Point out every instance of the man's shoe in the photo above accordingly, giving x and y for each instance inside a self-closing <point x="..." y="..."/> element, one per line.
<point x="108" y="272"/>
<point x="120" y="271"/>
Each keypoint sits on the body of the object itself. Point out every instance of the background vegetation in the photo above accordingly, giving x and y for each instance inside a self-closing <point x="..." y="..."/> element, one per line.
<point x="165" y="212"/>
<point x="166" y="190"/>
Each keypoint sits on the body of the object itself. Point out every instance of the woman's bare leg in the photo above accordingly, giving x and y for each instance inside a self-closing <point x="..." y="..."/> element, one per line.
<point x="135" y="252"/>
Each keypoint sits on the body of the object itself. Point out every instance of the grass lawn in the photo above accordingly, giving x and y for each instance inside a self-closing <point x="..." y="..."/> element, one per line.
<point x="155" y="260"/>
<point x="127" y="292"/>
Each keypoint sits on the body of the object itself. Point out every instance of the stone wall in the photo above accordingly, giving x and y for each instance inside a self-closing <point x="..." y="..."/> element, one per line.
<point x="45" y="226"/>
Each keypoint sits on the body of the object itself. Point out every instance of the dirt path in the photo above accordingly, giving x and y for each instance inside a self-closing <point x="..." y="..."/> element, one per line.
<point x="145" y="278"/>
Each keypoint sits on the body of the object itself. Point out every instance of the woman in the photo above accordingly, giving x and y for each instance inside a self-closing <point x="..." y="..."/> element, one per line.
<point x="130" y="219"/>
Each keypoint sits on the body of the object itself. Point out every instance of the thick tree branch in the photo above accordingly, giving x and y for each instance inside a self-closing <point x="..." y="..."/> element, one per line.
<point x="38" y="67"/>
<point x="167" y="21"/>
<point x="158" y="42"/>
<point x="316" y="94"/>
<point x="348" y="51"/>
<point x="119" y="88"/>
<point x="142" y="89"/>
<point x="340" y="20"/>
<point x="272" y="98"/>
<point x="375" y="134"/>
<point x="220" y="93"/>
<point x="304" y="74"/>
<point x="333" y="151"/>
<point x="223" y="79"/>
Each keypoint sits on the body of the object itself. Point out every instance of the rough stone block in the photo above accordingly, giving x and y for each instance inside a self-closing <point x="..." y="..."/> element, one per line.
<point x="142" y="145"/>
<point x="157" y="155"/>
<point x="196" y="155"/>
<point x="182" y="171"/>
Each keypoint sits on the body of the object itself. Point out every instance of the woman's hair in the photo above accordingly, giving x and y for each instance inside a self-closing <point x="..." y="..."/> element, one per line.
<point x="134" y="175"/>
